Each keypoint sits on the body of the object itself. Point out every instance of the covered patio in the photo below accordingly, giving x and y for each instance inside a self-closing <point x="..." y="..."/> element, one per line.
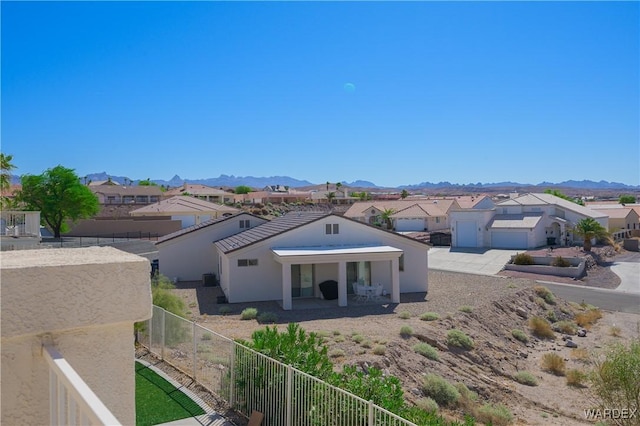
<point x="386" y="261"/>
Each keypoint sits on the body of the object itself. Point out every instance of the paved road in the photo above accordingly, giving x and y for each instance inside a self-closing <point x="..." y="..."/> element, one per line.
<point x="626" y="298"/>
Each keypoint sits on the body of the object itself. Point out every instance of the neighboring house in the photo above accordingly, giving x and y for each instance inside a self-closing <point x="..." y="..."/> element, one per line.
<point x="341" y="195"/>
<point x="288" y="196"/>
<point x="202" y="192"/>
<point x="188" y="210"/>
<point x="188" y="254"/>
<point x="620" y="218"/>
<point x="414" y="215"/>
<point x="19" y="230"/>
<point x="522" y="222"/>
<point x="110" y="194"/>
<point x="290" y="256"/>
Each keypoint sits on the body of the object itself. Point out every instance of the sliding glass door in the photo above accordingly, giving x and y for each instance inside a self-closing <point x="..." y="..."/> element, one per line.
<point x="302" y="280"/>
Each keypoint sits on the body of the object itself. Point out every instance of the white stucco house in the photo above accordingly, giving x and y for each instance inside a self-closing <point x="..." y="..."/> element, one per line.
<point x="189" y="253"/>
<point x="289" y="257"/>
<point x="522" y="222"/>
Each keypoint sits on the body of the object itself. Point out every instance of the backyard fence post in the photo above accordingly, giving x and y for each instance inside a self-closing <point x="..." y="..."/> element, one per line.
<point x="232" y="375"/>
<point x="153" y="312"/>
<point x="289" y="395"/>
<point x="195" y="352"/>
<point x="371" y="413"/>
<point x="162" y="333"/>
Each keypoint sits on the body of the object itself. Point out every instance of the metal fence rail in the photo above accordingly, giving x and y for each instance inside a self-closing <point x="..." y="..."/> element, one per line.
<point x="249" y="380"/>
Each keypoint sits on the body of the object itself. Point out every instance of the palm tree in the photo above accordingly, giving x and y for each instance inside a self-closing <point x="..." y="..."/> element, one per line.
<point x="386" y="216"/>
<point x="6" y="166"/>
<point x="331" y="196"/>
<point x="589" y="229"/>
<point x="404" y="194"/>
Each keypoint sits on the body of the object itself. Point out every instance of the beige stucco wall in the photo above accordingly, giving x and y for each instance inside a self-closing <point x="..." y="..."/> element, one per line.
<point x="87" y="300"/>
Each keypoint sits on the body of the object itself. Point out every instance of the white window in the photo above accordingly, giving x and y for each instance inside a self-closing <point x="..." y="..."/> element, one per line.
<point x="247" y="262"/>
<point x="245" y="224"/>
<point x="331" y="228"/>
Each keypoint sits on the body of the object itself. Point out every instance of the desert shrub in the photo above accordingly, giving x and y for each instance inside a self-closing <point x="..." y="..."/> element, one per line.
<point x="385" y="391"/>
<point x="497" y="415"/>
<point x="576" y="378"/>
<point x="379" y="349"/>
<point x="580" y="354"/>
<point x="540" y="302"/>
<point x="427" y="350"/>
<point x="615" y="379"/>
<point x="526" y="378"/>
<point x="540" y="327"/>
<point x="429" y="316"/>
<point x="468" y="399"/>
<point x="466" y="309"/>
<point x="427" y="404"/>
<point x="406" y="331"/>
<point x="366" y="343"/>
<point x="404" y="314"/>
<point x="336" y="353"/>
<point x="358" y="338"/>
<point x="206" y="336"/>
<point x="336" y="332"/>
<point x="566" y="327"/>
<point x="293" y="346"/>
<point x="193" y="305"/>
<point x="588" y="317"/>
<point x="523" y="259"/>
<point x="224" y="310"/>
<point x="267" y="318"/>
<point x="176" y="330"/>
<point x="615" y="331"/>
<point x="545" y="293"/>
<point x="249" y="314"/>
<point x="339" y="339"/>
<point x="553" y="363"/>
<point x="440" y="390"/>
<point x="322" y="333"/>
<point x="520" y="335"/>
<point x="551" y="315"/>
<point x="458" y="339"/>
<point x="560" y="262"/>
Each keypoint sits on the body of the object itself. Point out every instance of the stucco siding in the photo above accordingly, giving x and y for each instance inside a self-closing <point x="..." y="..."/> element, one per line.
<point x="86" y="300"/>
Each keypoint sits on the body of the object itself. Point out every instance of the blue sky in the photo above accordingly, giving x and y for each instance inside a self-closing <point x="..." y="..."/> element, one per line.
<point x="439" y="91"/>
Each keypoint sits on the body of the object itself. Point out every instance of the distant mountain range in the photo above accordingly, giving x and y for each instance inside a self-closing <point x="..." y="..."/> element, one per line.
<point x="261" y="182"/>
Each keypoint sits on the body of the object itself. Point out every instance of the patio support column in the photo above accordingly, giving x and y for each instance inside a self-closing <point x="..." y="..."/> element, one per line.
<point x="342" y="283"/>
<point x="395" y="280"/>
<point x="286" y="286"/>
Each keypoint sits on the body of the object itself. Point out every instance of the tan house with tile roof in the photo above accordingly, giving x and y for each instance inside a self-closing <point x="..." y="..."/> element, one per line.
<point x="202" y="192"/>
<point x="409" y="215"/>
<point x="188" y="210"/>
<point x="620" y="218"/>
<point x="109" y="194"/>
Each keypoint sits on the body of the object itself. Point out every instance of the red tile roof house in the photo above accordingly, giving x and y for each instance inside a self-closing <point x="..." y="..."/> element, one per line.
<point x="289" y="257"/>
<point x="203" y="192"/>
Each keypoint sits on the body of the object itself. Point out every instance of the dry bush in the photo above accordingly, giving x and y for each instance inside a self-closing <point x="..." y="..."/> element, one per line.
<point x="553" y="363"/>
<point x="615" y="331"/>
<point x="541" y="328"/>
<point x="580" y="354"/>
<point x="545" y="293"/>
<point x="588" y="318"/>
<point x="566" y="327"/>
<point x="526" y="378"/>
<point x="576" y="378"/>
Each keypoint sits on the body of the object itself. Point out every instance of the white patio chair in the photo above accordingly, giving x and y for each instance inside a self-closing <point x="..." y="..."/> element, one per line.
<point x="378" y="293"/>
<point x="358" y="296"/>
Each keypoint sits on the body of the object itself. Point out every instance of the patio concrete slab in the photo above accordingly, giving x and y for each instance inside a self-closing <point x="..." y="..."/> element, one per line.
<point x="470" y="261"/>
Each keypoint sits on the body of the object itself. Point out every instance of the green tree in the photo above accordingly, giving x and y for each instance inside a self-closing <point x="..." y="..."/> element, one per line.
<point x="627" y="199"/>
<point x="589" y="229"/>
<point x="404" y="194"/>
<point x="386" y="216"/>
<point x="6" y="167"/>
<point x="147" y="182"/>
<point x="59" y="196"/>
<point x="563" y="196"/>
<point x="242" y="189"/>
<point x="331" y="196"/>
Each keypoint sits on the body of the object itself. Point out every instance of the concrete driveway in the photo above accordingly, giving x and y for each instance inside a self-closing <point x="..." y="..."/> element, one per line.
<point x="471" y="261"/>
<point x="629" y="273"/>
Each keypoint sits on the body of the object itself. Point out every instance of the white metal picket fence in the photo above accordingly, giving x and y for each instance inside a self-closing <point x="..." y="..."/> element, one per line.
<point x="249" y="380"/>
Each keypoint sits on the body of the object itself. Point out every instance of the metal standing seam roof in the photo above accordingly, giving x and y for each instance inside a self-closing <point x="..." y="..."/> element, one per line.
<point x="267" y="230"/>
<point x="202" y="225"/>
<point x="515" y="221"/>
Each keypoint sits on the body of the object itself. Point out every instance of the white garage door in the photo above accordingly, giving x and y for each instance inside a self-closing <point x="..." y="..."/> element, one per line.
<point x="508" y="240"/>
<point x="404" y="225"/>
<point x="466" y="234"/>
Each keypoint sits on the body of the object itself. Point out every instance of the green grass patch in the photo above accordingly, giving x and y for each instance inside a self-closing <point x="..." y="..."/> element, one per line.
<point x="158" y="401"/>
